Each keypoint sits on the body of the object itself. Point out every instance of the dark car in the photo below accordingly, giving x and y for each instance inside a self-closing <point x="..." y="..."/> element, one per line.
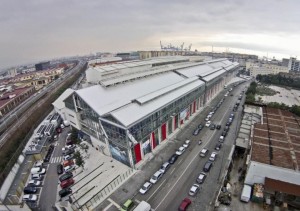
<point x="69" y="142"/>
<point x="207" y="166"/>
<point x="226" y="128"/>
<point x="218" y="146"/>
<point x="29" y="190"/>
<point x="212" y="126"/>
<point x="173" y="158"/>
<point x="65" y="176"/>
<point x="200" y="126"/>
<point x="64" y="192"/>
<point x="68" y="152"/>
<point x="60" y="169"/>
<point x="196" y="132"/>
<point x="224" y="133"/>
<point x="218" y="127"/>
<point x="228" y="123"/>
<point x="184" y="204"/>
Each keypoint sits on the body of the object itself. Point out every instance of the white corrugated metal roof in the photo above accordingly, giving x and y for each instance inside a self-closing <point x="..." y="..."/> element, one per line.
<point x="199" y="70"/>
<point x="214" y="75"/>
<point x="59" y="102"/>
<point x="133" y="112"/>
<point x="104" y="100"/>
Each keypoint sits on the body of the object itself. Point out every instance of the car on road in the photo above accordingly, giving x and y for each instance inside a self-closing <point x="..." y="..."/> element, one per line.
<point x="67" y="183"/>
<point x="218" y="127"/>
<point x="156" y="177"/>
<point x="186" y="143"/>
<point x="213" y="156"/>
<point x="38" y="163"/>
<point x="201" y="178"/>
<point x="36" y="177"/>
<point x="59" y="169"/>
<point x="64" y="192"/>
<point x="207" y="124"/>
<point x="180" y="151"/>
<point x="196" y="132"/>
<point x="224" y="133"/>
<point x="200" y="126"/>
<point x="164" y="167"/>
<point x="128" y="205"/>
<point x="218" y="146"/>
<point x="221" y="139"/>
<point x="203" y="152"/>
<point x="145" y="187"/>
<point x="30" y="197"/>
<point x="207" y="166"/>
<point x="228" y="123"/>
<point x="212" y="126"/>
<point x="208" y="117"/>
<point x="194" y="190"/>
<point x="173" y="158"/>
<point x="34" y="183"/>
<point x="65" y="176"/>
<point x="184" y="204"/>
<point x="226" y="128"/>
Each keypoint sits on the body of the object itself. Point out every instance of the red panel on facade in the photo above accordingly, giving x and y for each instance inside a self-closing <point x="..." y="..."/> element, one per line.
<point x="137" y="152"/>
<point x="175" y="124"/>
<point x="194" y="109"/>
<point x="181" y="121"/>
<point x="164" y="131"/>
<point x="153" y="140"/>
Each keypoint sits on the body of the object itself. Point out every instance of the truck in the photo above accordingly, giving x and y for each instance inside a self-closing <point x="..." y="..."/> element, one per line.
<point x="246" y="193"/>
<point x="143" y="206"/>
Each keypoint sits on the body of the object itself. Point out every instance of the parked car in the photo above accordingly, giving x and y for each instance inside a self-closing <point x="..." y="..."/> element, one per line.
<point x="221" y="139"/>
<point x="200" y="126"/>
<point x="68" y="163"/>
<point x="218" y="127"/>
<point x="34" y="183"/>
<point x="69" y="168"/>
<point x="201" y="178"/>
<point x="186" y="143"/>
<point x="224" y="133"/>
<point x="226" y="128"/>
<point x="60" y="169"/>
<point x="30" y="198"/>
<point x="218" y="146"/>
<point x="36" y="177"/>
<point x="68" y="152"/>
<point x="196" y="132"/>
<point x="73" y="146"/>
<point x="213" y="156"/>
<point x="184" y="204"/>
<point x="65" y="176"/>
<point x="180" y="151"/>
<point x="64" y="192"/>
<point x="164" y="167"/>
<point x="128" y="205"/>
<point x="207" y="166"/>
<point x="67" y="183"/>
<point x="194" y="190"/>
<point x="173" y="158"/>
<point x="203" y="152"/>
<point x="145" y="187"/>
<point x="38" y="170"/>
<point x="207" y="124"/>
<point x="38" y="163"/>
<point x="212" y="126"/>
<point x="30" y="189"/>
<point x="156" y="177"/>
<point x="68" y="157"/>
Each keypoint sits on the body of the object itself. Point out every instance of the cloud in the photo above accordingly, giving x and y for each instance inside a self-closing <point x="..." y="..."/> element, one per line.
<point x="36" y="30"/>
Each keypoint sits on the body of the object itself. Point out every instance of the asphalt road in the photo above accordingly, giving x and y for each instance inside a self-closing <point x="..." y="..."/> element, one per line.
<point x="49" y="193"/>
<point x="174" y="186"/>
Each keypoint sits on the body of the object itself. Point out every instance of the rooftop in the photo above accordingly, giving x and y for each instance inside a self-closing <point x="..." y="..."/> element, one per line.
<point x="277" y="141"/>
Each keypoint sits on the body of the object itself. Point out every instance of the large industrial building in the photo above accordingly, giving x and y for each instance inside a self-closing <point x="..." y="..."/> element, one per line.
<point x="128" y="109"/>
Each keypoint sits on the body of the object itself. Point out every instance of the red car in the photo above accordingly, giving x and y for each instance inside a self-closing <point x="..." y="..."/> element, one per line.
<point x="66" y="183"/>
<point x="184" y="204"/>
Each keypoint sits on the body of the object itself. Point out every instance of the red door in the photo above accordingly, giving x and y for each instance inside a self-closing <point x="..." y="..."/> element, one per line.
<point x="164" y="132"/>
<point x="153" y="140"/>
<point x="194" y="109"/>
<point x="137" y="152"/>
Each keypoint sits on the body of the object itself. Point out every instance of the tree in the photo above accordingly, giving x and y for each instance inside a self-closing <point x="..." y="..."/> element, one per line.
<point x="74" y="136"/>
<point x="79" y="159"/>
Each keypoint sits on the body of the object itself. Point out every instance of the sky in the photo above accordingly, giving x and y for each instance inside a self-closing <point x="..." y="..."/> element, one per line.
<point x="37" y="30"/>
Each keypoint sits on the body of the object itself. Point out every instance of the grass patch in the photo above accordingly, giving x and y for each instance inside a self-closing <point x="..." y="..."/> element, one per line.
<point x="265" y="91"/>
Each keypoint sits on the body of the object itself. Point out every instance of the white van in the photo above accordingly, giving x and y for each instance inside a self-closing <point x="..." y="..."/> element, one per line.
<point x="246" y="193"/>
<point x="143" y="206"/>
<point x="36" y="177"/>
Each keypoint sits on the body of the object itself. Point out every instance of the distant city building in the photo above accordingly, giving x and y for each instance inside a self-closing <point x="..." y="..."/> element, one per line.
<point x="12" y="72"/>
<point x="42" y="66"/>
<point x="285" y="62"/>
<point x="294" y="65"/>
<point x="151" y="54"/>
<point x="128" y="55"/>
<point x="258" y="68"/>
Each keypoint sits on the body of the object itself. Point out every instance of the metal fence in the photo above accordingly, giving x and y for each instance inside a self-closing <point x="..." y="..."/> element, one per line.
<point x="103" y="193"/>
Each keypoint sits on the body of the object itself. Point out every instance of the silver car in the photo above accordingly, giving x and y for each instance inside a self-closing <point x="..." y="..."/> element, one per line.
<point x="194" y="190"/>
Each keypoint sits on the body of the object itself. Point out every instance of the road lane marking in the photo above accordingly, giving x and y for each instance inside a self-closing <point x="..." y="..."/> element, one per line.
<point x="107" y="207"/>
<point x="180" y="161"/>
<point x="172" y="171"/>
<point x="156" y="190"/>
<point x="178" y="178"/>
<point x="115" y="203"/>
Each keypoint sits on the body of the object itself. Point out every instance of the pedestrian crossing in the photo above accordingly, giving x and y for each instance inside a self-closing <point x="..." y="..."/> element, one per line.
<point x="56" y="159"/>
